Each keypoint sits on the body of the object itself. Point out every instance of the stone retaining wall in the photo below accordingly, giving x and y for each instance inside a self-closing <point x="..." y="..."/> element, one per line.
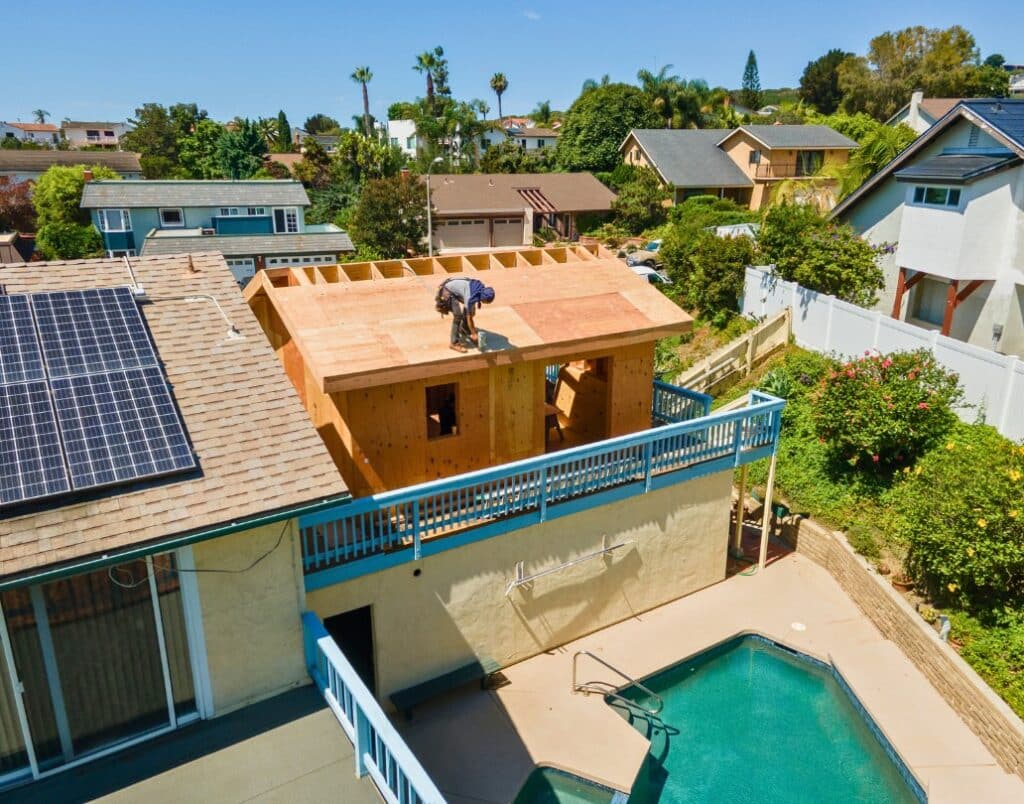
<point x="984" y="712"/>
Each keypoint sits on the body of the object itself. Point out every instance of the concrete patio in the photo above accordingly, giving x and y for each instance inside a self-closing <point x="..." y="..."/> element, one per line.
<point x="480" y="746"/>
<point x="289" y="748"/>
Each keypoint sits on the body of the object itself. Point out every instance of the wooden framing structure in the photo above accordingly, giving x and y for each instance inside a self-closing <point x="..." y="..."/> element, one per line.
<point x="367" y="354"/>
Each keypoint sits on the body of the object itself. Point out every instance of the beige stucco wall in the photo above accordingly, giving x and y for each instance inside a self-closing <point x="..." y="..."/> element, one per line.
<point x="456" y="609"/>
<point x="251" y="619"/>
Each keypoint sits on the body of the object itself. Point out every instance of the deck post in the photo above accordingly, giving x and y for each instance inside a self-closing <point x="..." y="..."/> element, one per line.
<point x="361" y="745"/>
<point x="737" y="538"/>
<point x="766" y="516"/>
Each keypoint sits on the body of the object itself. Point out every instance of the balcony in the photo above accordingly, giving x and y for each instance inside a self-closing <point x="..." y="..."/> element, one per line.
<point x="787" y="170"/>
<point x="394" y="527"/>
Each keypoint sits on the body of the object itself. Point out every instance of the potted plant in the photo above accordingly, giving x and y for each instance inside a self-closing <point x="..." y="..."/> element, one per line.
<point x="902" y="581"/>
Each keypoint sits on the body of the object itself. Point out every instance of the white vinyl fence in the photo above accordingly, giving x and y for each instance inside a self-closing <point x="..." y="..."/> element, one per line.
<point x="993" y="383"/>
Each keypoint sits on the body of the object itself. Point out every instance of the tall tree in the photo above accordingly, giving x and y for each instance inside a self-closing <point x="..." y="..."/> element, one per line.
<point x="197" y="153"/>
<point x="16" y="211"/>
<point x="63" y="229"/>
<point x="390" y="217"/>
<point x="240" y="153"/>
<point x="499" y="83"/>
<point x="267" y="128"/>
<point x="426" y="63"/>
<point x="819" y="84"/>
<point x="363" y="76"/>
<point x="40" y="115"/>
<point x="750" y="93"/>
<point x="591" y="83"/>
<point x="597" y="123"/>
<point x="660" y="88"/>
<point x="943" y="63"/>
<point x="153" y="136"/>
<point x="284" y="133"/>
<point x="541" y="115"/>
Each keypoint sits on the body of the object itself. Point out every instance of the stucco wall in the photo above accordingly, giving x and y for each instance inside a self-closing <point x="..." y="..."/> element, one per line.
<point x="456" y="609"/>
<point x="251" y="619"/>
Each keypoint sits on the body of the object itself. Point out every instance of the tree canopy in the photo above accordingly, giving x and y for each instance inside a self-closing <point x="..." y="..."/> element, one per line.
<point x="390" y="217"/>
<point x="16" y="211"/>
<point x="597" y="123"/>
<point x="240" y="153"/>
<point x="819" y="84"/>
<point x="63" y="228"/>
<point x="320" y="124"/>
<point x="750" y="94"/>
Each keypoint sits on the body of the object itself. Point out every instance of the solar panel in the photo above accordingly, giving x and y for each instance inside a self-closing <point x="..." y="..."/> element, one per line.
<point x="20" y="359"/>
<point x="119" y="426"/>
<point x="90" y="331"/>
<point x="31" y="462"/>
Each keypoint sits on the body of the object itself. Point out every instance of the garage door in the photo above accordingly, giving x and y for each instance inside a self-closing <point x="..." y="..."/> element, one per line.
<point x="462" y="233"/>
<point x="508" y="231"/>
<point x="242" y="270"/>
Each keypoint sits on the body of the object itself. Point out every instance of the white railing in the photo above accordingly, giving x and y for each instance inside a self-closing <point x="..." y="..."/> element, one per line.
<point x="993" y="384"/>
<point x="379" y="749"/>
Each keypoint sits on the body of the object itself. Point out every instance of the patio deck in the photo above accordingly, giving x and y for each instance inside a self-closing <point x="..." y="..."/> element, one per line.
<point x="285" y="749"/>
<point x="480" y="746"/>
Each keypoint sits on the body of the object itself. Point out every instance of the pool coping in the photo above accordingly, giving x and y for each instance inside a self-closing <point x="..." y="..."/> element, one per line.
<point x="542" y="720"/>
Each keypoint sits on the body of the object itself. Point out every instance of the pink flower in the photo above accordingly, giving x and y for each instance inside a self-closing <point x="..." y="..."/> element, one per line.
<point x="886" y="363"/>
<point x="875" y="458"/>
<point x="922" y="405"/>
<point x="867" y="351"/>
<point x="911" y="375"/>
<point x="851" y="373"/>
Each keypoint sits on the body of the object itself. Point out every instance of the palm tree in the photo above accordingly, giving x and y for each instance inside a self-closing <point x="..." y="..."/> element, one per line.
<point x="877" y="149"/>
<point x="363" y="76"/>
<point x="499" y="83"/>
<point x="542" y="114"/>
<point x="426" y="63"/>
<point x="266" y="127"/>
<point x="40" y="115"/>
<point x="590" y="83"/>
<point x="660" y="88"/>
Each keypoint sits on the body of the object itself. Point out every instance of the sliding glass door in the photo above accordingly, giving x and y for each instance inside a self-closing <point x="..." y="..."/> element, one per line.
<point x="103" y="658"/>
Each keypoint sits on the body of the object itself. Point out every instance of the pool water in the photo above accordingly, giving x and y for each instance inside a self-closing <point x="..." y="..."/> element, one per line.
<point x="551" y="786"/>
<point x="751" y="722"/>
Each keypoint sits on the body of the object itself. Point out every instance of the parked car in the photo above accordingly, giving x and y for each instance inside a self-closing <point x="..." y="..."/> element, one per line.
<point x="652" y="275"/>
<point x="649" y="255"/>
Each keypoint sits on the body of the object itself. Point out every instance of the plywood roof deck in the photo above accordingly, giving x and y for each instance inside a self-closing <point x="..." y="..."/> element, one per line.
<point x="360" y="325"/>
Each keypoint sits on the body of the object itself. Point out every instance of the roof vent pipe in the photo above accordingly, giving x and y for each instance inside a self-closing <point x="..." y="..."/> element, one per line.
<point x="137" y="289"/>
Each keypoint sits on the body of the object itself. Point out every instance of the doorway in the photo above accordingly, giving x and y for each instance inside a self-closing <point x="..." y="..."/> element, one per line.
<point x="352" y="631"/>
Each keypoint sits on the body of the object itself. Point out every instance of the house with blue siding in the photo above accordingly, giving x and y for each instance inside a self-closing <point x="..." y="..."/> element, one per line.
<point x="254" y="224"/>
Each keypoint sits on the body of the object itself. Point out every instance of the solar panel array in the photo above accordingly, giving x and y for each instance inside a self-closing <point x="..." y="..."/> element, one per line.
<point x="83" y="401"/>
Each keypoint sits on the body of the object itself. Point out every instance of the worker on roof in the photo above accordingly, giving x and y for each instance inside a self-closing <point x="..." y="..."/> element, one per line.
<point x="461" y="297"/>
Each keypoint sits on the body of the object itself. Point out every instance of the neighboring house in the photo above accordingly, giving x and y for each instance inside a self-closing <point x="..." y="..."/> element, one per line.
<point x="743" y="164"/>
<point x="38" y="133"/>
<point x="138" y="596"/>
<point x="499" y="210"/>
<point x="922" y="113"/>
<point x="402" y="134"/>
<point x="15" y="247"/>
<point x="460" y="464"/>
<point x="254" y="224"/>
<point x="29" y="165"/>
<point x="1017" y="85"/>
<point x="952" y="205"/>
<point x="329" y="142"/>
<point x="531" y="138"/>
<point x="104" y="135"/>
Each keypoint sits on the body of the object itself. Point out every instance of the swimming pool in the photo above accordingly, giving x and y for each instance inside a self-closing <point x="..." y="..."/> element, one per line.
<point x="547" y="785"/>
<point x="750" y="721"/>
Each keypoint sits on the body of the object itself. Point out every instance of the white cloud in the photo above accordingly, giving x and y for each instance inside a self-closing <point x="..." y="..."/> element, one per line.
<point x="531" y="15"/>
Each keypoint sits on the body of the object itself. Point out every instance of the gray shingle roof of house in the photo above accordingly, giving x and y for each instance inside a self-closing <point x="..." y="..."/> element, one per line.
<point x="249" y="245"/>
<point x="956" y="167"/>
<point x="139" y="194"/>
<point x="31" y="161"/>
<point x="791" y="136"/>
<point x="1007" y="115"/>
<point x="690" y="157"/>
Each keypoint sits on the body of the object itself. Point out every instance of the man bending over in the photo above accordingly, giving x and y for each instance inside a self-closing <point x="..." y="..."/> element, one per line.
<point x="461" y="297"/>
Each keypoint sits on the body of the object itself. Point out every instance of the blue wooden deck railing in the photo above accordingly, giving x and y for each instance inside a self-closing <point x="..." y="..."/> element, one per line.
<point x="673" y="404"/>
<point x="372" y="533"/>
<point x="379" y="749"/>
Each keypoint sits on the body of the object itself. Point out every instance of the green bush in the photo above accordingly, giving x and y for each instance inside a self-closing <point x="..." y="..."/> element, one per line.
<point x="63" y="240"/>
<point x="885" y="410"/>
<point x="961" y="510"/>
<point x="639" y="205"/>
<point x="715" y="275"/>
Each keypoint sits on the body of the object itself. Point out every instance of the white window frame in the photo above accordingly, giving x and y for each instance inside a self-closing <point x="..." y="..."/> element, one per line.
<point x="125" y="220"/>
<point x="922" y="190"/>
<point x="294" y="211"/>
<point x="181" y="218"/>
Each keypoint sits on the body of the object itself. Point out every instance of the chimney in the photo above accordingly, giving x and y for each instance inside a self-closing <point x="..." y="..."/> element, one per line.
<point x="87" y="175"/>
<point x="914" y="112"/>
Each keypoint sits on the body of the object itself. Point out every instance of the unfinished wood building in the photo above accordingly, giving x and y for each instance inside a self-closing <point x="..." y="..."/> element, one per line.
<point x="569" y="358"/>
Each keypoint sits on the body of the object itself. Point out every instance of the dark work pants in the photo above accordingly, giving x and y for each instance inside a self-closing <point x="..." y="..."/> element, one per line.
<point x="460" y="329"/>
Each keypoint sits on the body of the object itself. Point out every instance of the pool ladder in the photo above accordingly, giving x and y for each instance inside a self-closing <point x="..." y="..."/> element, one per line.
<point x="609" y="690"/>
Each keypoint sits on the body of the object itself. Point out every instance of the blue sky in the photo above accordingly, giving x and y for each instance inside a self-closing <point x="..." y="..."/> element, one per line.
<point x="256" y="58"/>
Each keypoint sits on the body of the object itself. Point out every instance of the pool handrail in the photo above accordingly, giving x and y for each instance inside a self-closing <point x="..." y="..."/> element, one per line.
<point x="576" y="687"/>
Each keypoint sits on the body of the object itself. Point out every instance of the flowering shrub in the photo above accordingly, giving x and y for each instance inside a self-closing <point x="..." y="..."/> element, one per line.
<point x="885" y="410"/>
<point x="961" y="511"/>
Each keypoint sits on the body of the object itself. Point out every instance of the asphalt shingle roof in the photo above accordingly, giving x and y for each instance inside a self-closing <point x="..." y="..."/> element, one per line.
<point x="791" y="136"/>
<point x="139" y="194"/>
<point x="248" y="245"/>
<point x="28" y="160"/>
<point x="956" y="167"/>
<point x="257" y="450"/>
<point x="1006" y="115"/>
<point x="691" y="157"/>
